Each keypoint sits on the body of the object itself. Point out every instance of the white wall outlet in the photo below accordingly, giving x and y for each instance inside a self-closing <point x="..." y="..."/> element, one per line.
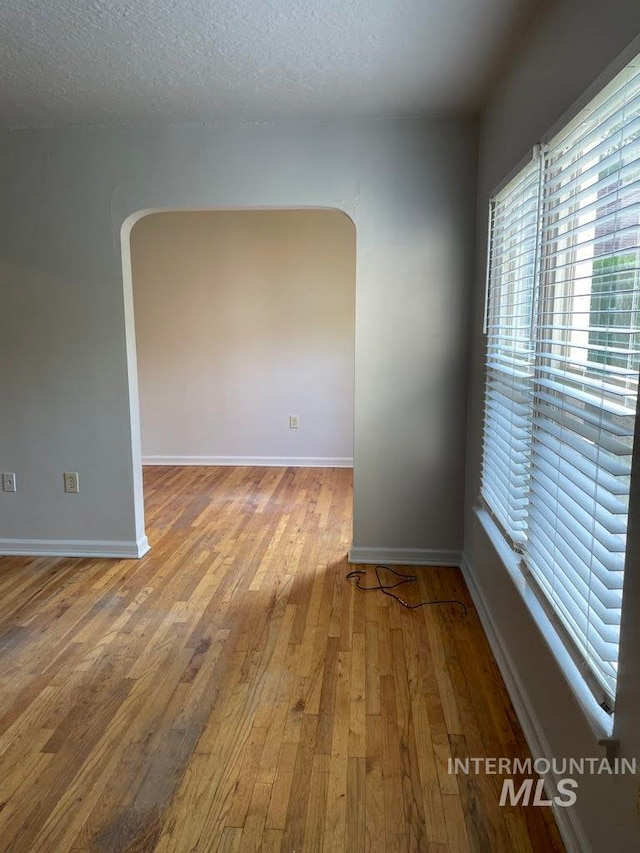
<point x="71" y="483"/>
<point x="294" y="422"/>
<point x="9" y="483"/>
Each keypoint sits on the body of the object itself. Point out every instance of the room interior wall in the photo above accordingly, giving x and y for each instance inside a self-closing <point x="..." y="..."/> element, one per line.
<point x="242" y="319"/>
<point x="68" y="395"/>
<point x="571" y="43"/>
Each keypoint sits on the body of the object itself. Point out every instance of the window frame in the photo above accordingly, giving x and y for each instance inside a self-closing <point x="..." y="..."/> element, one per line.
<point x="563" y="125"/>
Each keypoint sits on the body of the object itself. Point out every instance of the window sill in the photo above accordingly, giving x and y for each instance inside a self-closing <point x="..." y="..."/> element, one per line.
<point x="599" y="721"/>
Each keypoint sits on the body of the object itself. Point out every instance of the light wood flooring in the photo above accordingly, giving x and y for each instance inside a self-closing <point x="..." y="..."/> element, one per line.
<point x="232" y="691"/>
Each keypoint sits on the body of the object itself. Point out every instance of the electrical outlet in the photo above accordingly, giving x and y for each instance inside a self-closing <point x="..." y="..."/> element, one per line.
<point x="8" y="482"/>
<point x="294" y="422"/>
<point x="71" y="483"/>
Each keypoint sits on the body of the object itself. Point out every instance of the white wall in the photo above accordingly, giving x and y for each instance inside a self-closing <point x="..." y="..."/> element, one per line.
<point x="68" y="382"/>
<point x="572" y="42"/>
<point x="242" y="319"/>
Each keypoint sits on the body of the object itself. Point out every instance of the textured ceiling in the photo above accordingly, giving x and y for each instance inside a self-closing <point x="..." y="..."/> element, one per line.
<point x="103" y="61"/>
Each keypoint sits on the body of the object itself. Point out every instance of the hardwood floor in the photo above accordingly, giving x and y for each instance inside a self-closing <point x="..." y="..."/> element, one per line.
<point x="232" y="691"/>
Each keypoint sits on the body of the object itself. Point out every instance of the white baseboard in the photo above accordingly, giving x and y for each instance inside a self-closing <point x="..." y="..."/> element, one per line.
<point x="73" y="548"/>
<point x="405" y="556"/>
<point x="569" y="825"/>
<point x="253" y="461"/>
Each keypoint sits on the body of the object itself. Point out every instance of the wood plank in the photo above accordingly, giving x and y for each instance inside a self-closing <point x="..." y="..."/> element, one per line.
<point x="375" y="821"/>
<point x="356" y="828"/>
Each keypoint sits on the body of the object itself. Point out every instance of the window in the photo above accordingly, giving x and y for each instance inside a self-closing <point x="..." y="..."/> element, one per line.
<point x="563" y="353"/>
<point x="514" y="218"/>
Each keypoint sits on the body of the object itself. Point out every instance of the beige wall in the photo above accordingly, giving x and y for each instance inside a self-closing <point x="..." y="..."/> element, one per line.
<point x="242" y="319"/>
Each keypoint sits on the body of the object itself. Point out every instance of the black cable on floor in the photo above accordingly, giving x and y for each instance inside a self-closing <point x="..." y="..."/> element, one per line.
<point x="356" y="575"/>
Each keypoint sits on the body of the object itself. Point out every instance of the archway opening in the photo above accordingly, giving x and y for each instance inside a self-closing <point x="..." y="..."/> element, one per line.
<point x="241" y="338"/>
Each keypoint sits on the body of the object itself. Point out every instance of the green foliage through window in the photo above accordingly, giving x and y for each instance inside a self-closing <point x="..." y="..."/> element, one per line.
<point x="612" y="312"/>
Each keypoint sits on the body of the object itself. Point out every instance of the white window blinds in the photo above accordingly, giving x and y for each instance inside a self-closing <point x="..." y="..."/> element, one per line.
<point x="586" y="372"/>
<point x="562" y="389"/>
<point x="507" y="419"/>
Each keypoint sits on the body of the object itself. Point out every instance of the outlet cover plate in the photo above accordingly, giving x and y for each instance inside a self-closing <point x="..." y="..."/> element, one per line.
<point x="8" y="482"/>
<point x="71" y="483"/>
